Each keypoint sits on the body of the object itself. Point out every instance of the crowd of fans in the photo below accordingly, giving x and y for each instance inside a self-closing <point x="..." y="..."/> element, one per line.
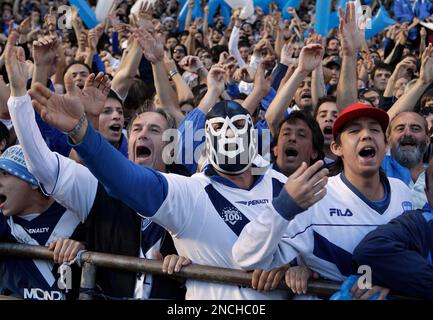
<point x="357" y="110"/>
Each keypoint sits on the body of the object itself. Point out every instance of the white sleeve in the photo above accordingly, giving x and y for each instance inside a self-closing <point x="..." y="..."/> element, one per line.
<point x="41" y="162"/>
<point x="233" y="46"/>
<point x="179" y="209"/>
<point x="71" y="184"/>
<point x="254" y="62"/>
<point x="264" y="243"/>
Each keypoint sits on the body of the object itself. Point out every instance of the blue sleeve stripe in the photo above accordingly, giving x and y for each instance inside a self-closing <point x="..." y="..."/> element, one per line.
<point x="141" y="188"/>
<point x="286" y="206"/>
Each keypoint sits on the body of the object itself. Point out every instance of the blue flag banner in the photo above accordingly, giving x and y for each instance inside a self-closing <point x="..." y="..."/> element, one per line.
<point x="288" y="4"/>
<point x="86" y="13"/>
<point x="380" y="22"/>
<point x="323" y="13"/>
<point x="263" y="4"/>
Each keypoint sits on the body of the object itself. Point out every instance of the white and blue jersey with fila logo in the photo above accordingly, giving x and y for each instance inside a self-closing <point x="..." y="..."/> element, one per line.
<point x="34" y="279"/>
<point x="324" y="236"/>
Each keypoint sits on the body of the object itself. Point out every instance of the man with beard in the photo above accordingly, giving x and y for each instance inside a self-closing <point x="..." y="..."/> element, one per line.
<point x="400" y="252"/>
<point x="358" y="199"/>
<point x="408" y="139"/>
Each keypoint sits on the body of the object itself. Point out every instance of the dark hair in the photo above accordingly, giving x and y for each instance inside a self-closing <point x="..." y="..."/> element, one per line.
<point x="216" y="51"/>
<point x="138" y="93"/>
<point x="316" y="132"/>
<point x="381" y="66"/>
<point x="171" y="122"/>
<point x="331" y="38"/>
<point x="113" y="95"/>
<point x="74" y="63"/>
<point x="427" y="96"/>
<point x="4" y="135"/>
<point x="244" y="44"/>
<point x="362" y="92"/>
<point x="323" y="100"/>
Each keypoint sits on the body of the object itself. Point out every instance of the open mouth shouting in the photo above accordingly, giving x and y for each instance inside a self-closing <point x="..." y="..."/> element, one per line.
<point x="3" y="199"/>
<point x="408" y="143"/>
<point x="367" y="153"/>
<point x="306" y="96"/>
<point x="115" y="129"/>
<point x="142" y="153"/>
<point x="291" y="153"/>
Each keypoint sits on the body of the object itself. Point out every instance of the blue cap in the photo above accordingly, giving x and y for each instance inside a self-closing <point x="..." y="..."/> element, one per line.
<point x="12" y="161"/>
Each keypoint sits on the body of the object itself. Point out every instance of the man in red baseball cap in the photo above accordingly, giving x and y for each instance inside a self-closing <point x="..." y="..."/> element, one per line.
<point x="324" y="235"/>
<point x="363" y="127"/>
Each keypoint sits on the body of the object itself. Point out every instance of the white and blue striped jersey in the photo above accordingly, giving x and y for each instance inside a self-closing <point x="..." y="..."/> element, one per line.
<point x="324" y="236"/>
<point x="34" y="279"/>
<point x="205" y="214"/>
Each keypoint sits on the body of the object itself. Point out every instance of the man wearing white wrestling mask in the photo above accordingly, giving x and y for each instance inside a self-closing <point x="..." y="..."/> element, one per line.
<point x="231" y="142"/>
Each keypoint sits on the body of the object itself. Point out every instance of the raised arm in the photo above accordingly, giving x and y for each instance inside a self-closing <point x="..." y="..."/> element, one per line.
<point x="74" y="187"/>
<point x="264" y="242"/>
<point x="399" y="72"/>
<point x="153" y="49"/>
<point x="351" y="36"/>
<point x="310" y="57"/>
<point x="110" y="167"/>
<point x="234" y="41"/>
<point x="183" y="91"/>
<point x="44" y="56"/>
<point x="262" y="85"/>
<point x="318" y="89"/>
<point x="408" y="101"/>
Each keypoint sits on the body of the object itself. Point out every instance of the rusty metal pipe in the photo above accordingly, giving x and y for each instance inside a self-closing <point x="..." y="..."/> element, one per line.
<point x="91" y="260"/>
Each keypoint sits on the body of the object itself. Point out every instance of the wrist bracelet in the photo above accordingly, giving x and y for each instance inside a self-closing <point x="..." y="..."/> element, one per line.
<point x="77" y="127"/>
<point x="172" y="73"/>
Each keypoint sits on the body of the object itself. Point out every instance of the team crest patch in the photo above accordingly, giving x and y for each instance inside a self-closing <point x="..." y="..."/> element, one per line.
<point x="407" y="205"/>
<point x="231" y="216"/>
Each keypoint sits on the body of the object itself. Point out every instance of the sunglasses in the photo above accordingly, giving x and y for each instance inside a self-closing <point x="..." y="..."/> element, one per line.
<point x="178" y="50"/>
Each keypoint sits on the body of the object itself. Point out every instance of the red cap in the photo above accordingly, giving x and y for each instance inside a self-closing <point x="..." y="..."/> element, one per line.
<point x="359" y="110"/>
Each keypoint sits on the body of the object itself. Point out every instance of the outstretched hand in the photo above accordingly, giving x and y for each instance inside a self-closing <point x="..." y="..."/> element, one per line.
<point x="94" y="93"/>
<point x="151" y="44"/>
<point x="310" y="57"/>
<point x="216" y="79"/>
<point x="426" y="71"/>
<point x="351" y="35"/>
<point x="61" y="111"/>
<point x="16" y="66"/>
<point x="45" y="50"/>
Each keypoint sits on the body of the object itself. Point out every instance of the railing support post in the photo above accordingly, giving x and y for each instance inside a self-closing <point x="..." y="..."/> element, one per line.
<point x="88" y="274"/>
